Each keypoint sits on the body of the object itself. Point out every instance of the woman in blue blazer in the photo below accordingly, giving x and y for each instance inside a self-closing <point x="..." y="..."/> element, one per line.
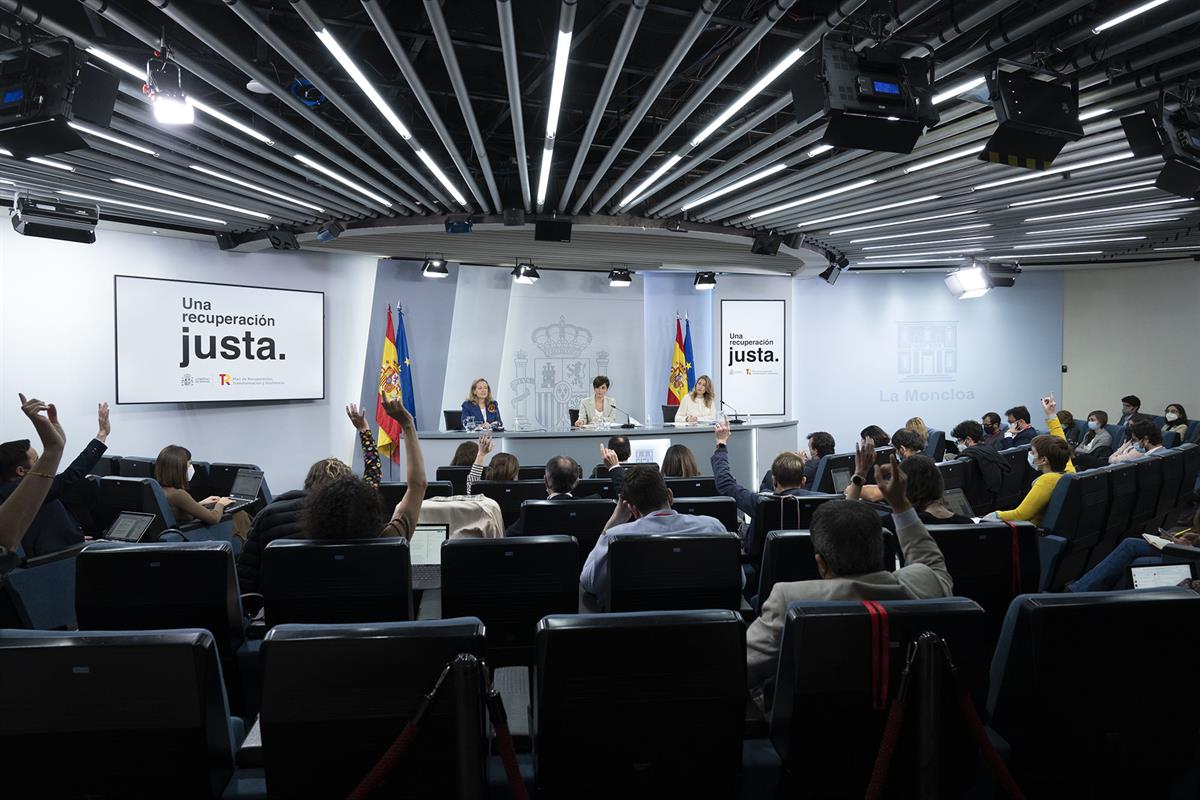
<point x="481" y="407"/>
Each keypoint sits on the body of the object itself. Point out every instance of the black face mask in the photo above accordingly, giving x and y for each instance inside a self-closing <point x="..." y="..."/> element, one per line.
<point x="989" y="427"/>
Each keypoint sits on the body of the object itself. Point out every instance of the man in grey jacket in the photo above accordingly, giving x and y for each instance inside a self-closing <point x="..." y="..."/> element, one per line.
<point x="847" y="539"/>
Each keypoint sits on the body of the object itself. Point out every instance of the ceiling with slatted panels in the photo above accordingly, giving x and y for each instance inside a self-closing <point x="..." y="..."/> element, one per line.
<point x="664" y="129"/>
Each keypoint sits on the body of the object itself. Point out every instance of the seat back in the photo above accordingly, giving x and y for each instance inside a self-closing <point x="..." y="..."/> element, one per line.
<point x="823" y="477"/>
<point x="955" y="473"/>
<point x="1172" y="480"/>
<point x="981" y="498"/>
<point x="453" y="419"/>
<point x="335" y="697"/>
<point x="699" y="486"/>
<point x="455" y="476"/>
<point x="1149" y="475"/>
<point x="1080" y="428"/>
<point x="1193" y="432"/>
<point x="1074" y="728"/>
<point x="136" y="467"/>
<point x="590" y="488"/>
<point x="107" y="465"/>
<point x="117" y="494"/>
<point x="1014" y="482"/>
<point x="935" y="446"/>
<point x="1191" y="471"/>
<point x="991" y="564"/>
<point x="1117" y="432"/>
<point x="510" y="584"/>
<point x="537" y="472"/>
<point x="1076" y="512"/>
<point x="788" y="557"/>
<point x="722" y="509"/>
<point x="40" y="594"/>
<point x="222" y="475"/>
<point x="583" y="519"/>
<point x="782" y="513"/>
<point x="1171" y="439"/>
<point x="133" y="715"/>
<point x="825" y="674"/>
<point x="595" y="675"/>
<point x="392" y="493"/>
<point x="334" y="581"/>
<point x="509" y="495"/>
<point x="672" y="571"/>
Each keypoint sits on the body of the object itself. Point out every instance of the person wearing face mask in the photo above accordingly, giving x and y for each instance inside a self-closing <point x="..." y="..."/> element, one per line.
<point x="173" y="470"/>
<point x="1020" y="429"/>
<point x="1050" y="455"/>
<point x="993" y="433"/>
<point x="908" y="443"/>
<point x="969" y="437"/>
<point x="1144" y="437"/>
<point x="1131" y="410"/>
<point x="1176" y="421"/>
<point x="53" y="528"/>
<point x="1097" y="444"/>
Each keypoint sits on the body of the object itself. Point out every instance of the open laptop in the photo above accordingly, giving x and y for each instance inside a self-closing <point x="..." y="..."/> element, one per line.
<point x="956" y="501"/>
<point x="425" y="555"/>
<point x="841" y="479"/>
<point x="245" y="489"/>
<point x="1159" y="575"/>
<point x="129" y="527"/>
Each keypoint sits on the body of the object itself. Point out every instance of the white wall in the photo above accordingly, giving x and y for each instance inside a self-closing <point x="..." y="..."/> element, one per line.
<point x="56" y="342"/>
<point x="1132" y="331"/>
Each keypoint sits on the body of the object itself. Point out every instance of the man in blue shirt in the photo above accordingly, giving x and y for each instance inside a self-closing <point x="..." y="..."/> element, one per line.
<point x="644" y="507"/>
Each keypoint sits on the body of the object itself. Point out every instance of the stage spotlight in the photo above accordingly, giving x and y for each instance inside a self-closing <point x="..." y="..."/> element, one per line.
<point x="1036" y="117"/>
<point x="620" y="277"/>
<point x="765" y="244"/>
<point x="330" y="231"/>
<point x="1173" y="135"/>
<point x="435" y="268"/>
<point x="705" y="281"/>
<point x="459" y="225"/>
<point x="525" y="273"/>
<point x="164" y="87"/>
<point x="968" y="283"/>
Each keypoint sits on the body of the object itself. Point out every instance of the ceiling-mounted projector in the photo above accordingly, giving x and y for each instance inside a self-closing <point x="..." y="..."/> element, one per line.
<point x="873" y="100"/>
<point x="40" y="96"/>
<point x="51" y="219"/>
<point x="1036" y="117"/>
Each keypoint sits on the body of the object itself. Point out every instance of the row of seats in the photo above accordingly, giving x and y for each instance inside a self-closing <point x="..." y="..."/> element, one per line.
<point x="336" y="696"/>
<point x="208" y="478"/>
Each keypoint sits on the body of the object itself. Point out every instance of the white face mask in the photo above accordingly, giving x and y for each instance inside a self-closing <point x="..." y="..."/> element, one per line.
<point x="1093" y="425"/>
<point x="1171" y="416"/>
<point x="191" y="471"/>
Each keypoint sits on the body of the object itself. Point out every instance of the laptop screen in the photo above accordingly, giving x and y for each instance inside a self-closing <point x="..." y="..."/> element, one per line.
<point x="425" y="546"/>
<point x="129" y="526"/>
<point x="956" y="501"/>
<point x="841" y="479"/>
<point x="247" y="483"/>
<point x="1160" y="575"/>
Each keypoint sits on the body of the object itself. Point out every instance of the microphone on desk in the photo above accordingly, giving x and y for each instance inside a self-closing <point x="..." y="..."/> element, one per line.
<point x="628" y="423"/>
<point x="736" y="420"/>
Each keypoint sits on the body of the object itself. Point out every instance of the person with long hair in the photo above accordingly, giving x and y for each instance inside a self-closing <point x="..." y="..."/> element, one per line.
<point x="464" y="454"/>
<point x="917" y="424"/>
<point x="679" y="462"/>
<point x="700" y="404"/>
<point x="173" y="470"/>
<point x="877" y="435"/>
<point x="504" y="466"/>
<point x="1176" y="420"/>
<point x="480" y="408"/>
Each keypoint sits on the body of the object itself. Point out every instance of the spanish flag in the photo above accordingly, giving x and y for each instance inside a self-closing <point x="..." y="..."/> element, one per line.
<point x="677" y="381"/>
<point x="388" y="439"/>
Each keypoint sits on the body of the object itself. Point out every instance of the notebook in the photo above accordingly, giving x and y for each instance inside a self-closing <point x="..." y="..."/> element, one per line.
<point x="425" y="555"/>
<point x="129" y="526"/>
<point x="1160" y="575"/>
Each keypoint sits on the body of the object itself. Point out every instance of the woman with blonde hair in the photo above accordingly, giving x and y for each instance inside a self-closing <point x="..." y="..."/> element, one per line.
<point x="917" y="424"/>
<point x="700" y="404"/>
<point x="480" y="408"/>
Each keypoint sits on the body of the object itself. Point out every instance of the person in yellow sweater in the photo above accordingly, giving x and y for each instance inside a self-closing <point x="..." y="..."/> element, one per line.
<point x="1049" y="454"/>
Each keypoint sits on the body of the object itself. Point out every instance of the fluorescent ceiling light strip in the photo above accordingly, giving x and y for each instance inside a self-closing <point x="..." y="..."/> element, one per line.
<point x="1185" y="247"/>
<point x="45" y="162"/>
<point x="644" y="185"/>
<point x="821" y="148"/>
<point x="103" y="134"/>
<point x="230" y="121"/>
<point x="1073" y="242"/>
<point x="1106" y="210"/>
<point x="899" y="260"/>
<point x="873" y="210"/>
<point x="932" y="252"/>
<point x="1109" y="226"/>
<point x="923" y="244"/>
<point x="1093" y="113"/>
<point x="558" y="82"/>
<point x="803" y="201"/>
<point x="1124" y="188"/>
<point x="1055" y="171"/>
<point x="193" y="198"/>
<point x="922" y="233"/>
<point x="1130" y="14"/>
<point x="255" y="187"/>
<point x="337" y="176"/>
<point x="544" y="174"/>
<point x="733" y="187"/>
<point x="368" y="88"/>
<point x="956" y="90"/>
<point x="119" y="63"/>
<point x="154" y="209"/>
<point x="762" y="83"/>
<point x="908" y="221"/>
<point x="1048" y="255"/>
<point x="973" y="150"/>
<point x="442" y="178"/>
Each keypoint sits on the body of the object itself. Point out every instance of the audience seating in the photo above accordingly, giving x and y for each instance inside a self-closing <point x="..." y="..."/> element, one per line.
<point x="1077" y="511"/>
<point x="955" y="474"/>
<point x="141" y="587"/>
<point x="1168" y="496"/>
<point x="116" y="494"/>
<point x="137" y="467"/>
<point x="782" y="513"/>
<point x="336" y="696"/>
<point x="1015" y="483"/>
<point x="981" y="498"/>
<point x="221" y="477"/>
<point x="1117" y="432"/>
<point x="692" y="487"/>
<point x="1069" y="695"/>
<point x="455" y="476"/>
<point x="1193" y="432"/>
<point x="106" y="465"/>
<point x="583" y="519"/>
<point x="1122" y="490"/>
<point x="788" y="557"/>
<point x="393" y="493"/>
<point x="1149" y="474"/>
<point x="332" y="581"/>
<point x="640" y="704"/>
<point x="592" y="488"/>
<point x="40" y="593"/>
<point x="114" y="715"/>
<point x="510" y="495"/>
<point x="935" y="446"/>
<point x="510" y="584"/>
<point x="534" y="472"/>
<point x="823" y="476"/>
<point x="668" y="572"/>
<point x="823" y="721"/>
<point x="1171" y="439"/>
<point x="722" y="509"/>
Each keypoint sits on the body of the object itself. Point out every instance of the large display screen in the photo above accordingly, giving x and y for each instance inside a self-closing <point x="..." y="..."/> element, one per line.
<point x="191" y="342"/>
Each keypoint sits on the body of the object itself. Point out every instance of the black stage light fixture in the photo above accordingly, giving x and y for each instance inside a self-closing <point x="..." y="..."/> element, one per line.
<point x="435" y="268"/>
<point x="330" y="231"/>
<point x="1173" y="134"/>
<point x="1036" y="117"/>
<point x="705" y="281"/>
<point x="41" y="95"/>
<point x="51" y="219"/>
<point x="873" y="100"/>
<point x="525" y="273"/>
<point x="460" y="225"/>
<point x="765" y="244"/>
<point x="620" y="277"/>
<point x="283" y="240"/>
<point x="552" y="230"/>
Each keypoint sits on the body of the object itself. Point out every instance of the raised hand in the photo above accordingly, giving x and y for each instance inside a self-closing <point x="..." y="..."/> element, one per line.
<point x="396" y="410"/>
<point x="104" y="427"/>
<point x="485" y="443"/>
<point x="48" y="428"/>
<point x="609" y="457"/>
<point x="893" y="484"/>
<point x="357" y="418"/>
<point x="1050" y="405"/>
<point x="864" y="457"/>
<point x="721" y="429"/>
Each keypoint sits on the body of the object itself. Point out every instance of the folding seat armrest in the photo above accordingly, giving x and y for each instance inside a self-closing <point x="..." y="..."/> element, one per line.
<point x="250" y="754"/>
<point x="431" y="604"/>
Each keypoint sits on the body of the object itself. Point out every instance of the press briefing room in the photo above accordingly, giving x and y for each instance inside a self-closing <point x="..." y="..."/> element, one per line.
<point x="632" y="399"/>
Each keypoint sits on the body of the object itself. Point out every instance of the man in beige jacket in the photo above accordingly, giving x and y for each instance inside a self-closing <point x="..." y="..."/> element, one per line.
<point x="847" y="539"/>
